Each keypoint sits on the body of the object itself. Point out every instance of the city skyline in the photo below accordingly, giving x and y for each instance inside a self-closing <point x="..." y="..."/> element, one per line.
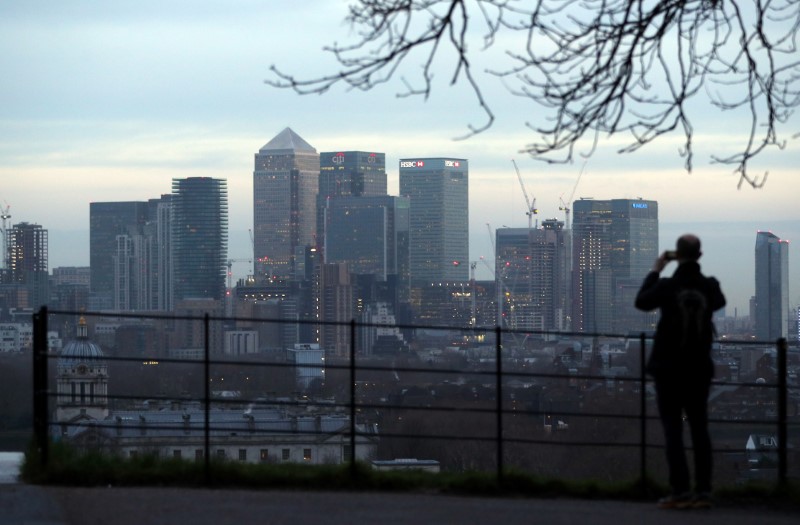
<point x="113" y="130"/>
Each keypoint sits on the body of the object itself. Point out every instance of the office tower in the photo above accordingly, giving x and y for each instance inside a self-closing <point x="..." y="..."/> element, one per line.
<point x="614" y="245"/>
<point x="335" y="298"/>
<point x="199" y="238"/>
<point x="439" y="218"/>
<point x="531" y="276"/>
<point x="772" y="286"/>
<point x="159" y="230"/>
<point x="349" y="174"/>
<point x="26" y="246"/>
<point x="107" y="220"/>
<point x="370" y="234"/>
<point x="285" y="188"/>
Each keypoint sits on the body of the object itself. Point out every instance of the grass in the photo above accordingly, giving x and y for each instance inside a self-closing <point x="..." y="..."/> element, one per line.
<point x="67" y="466"/>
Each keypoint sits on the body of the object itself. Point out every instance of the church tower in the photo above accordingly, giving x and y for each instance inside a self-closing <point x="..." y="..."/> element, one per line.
<point x="82" y="380"/>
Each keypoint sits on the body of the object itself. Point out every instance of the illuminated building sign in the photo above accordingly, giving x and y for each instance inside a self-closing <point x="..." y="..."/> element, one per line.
<point x="421" y="163"/>
<point x="641" y="205"/>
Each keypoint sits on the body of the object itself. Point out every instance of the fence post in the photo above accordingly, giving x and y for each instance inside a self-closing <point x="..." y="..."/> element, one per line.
<point x="499" y="393"/>
<point x="782" y="416"/>
<point x="207" y="401"/>
<point x="40" y="416"/>
<point x="642" y="414"/>
<point x="353" y="398"/>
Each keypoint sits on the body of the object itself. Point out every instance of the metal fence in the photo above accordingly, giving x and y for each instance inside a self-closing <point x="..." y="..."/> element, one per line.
<point x="498" y="436"/>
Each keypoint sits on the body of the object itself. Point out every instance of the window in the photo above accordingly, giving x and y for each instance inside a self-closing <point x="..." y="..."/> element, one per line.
<point x="285" y="454"/>
<point x="242" y="454"/>
<point x="198" y="454"/>
<point x="264" y="456"/>
<point x="176" y="453"/>
<point x="307" y="454"/>
<point x="221" y="453"/>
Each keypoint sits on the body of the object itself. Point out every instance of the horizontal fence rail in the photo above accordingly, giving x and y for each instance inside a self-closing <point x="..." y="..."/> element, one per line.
<point x="492" y="373"/>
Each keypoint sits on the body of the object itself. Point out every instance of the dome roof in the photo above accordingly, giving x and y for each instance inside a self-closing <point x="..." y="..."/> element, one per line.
<point x="80" y="349"/>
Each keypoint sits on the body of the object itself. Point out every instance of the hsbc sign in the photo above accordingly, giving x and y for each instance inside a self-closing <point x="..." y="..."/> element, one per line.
<point x="421" y="163"/>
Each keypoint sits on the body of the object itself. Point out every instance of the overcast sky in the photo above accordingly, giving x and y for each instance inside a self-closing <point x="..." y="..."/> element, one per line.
<point x="111" y="101"/>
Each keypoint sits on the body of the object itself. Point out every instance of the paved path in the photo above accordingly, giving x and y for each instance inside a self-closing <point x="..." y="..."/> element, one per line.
<point x="29" y="505"/>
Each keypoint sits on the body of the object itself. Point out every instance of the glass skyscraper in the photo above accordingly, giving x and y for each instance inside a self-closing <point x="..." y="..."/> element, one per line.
<point x="349" y="174"/>
<point x="107" y="221"/>
<point x="285" y="188"/>
<point x="614" y="245"/>
<point x="199" y="238"/>
<point x="772" y="286"/>
<point x="438" y="193"/>
<point x="370" y="234"/>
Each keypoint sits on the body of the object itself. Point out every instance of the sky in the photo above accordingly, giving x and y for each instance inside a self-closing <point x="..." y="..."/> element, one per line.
<point x="111" y="101"/>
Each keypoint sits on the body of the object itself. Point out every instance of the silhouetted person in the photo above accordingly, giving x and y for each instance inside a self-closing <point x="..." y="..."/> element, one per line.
<point x="681" y="365"/>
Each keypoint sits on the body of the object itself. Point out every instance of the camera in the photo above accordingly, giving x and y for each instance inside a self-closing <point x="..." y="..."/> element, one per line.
<point x="670" y="255"/>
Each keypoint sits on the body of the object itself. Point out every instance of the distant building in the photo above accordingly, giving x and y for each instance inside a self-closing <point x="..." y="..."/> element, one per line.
<point x="199" y="238"/>
<point x="309" y="363"/>
<point x="261" y="434"/>
<point x="108" y="221"/>
<point x="438" y="192"/>
<point x="335" y="298"/>
<point x="348" y="174"/>
<point x="772" y="287"/>
<point x="370" y="234"/>
<point x="614" y="245"/>
<point x="76" y="275"/>
<point x="26" y="246"/>
<point x="285" y="188"/>
<point x="532" y="276"/>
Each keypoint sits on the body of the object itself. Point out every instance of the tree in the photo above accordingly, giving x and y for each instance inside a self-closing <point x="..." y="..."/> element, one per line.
<point x="592" y="67"/>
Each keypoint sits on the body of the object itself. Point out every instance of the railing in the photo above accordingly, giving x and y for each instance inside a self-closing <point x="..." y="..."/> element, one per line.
<point x="42" y="394"/>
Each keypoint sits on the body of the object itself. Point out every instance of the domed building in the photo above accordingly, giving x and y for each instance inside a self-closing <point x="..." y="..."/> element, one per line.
<point x="82" y="380"/>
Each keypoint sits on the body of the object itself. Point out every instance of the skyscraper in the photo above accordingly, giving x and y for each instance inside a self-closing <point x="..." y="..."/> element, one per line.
<point x="614" y="245"/>
<point x="107" y="220"/>
<point x="437" y="189"/>
<point x="370" y="234"/>
<point x="349" y="174"/>
<point x="27" y="259"/>
<point x="285" y="188"/>
<point x="531" y="276"/>
<point x="772" y="286"/>
<point x="199" y="237"/>
<point x="159" y="229"/>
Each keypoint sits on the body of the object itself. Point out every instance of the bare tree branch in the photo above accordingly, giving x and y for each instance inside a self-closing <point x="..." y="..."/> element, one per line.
<point x="592" y="67"/>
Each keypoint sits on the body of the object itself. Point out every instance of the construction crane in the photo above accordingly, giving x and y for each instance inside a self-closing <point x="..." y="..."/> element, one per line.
<point x="230" y="271"/>
<point x="5" y="215"/>
<point x="565" y="206"/>
<point x="531" y="206"/>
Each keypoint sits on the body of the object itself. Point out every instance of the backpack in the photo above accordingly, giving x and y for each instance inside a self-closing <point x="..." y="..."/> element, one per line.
<point x="693" y="325"/>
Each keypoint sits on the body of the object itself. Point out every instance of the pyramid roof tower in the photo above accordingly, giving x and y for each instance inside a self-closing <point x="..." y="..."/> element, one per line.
<point x="287" y="141"/>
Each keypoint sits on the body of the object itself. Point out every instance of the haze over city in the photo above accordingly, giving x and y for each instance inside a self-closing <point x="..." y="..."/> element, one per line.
<point x="110" y="103"/>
